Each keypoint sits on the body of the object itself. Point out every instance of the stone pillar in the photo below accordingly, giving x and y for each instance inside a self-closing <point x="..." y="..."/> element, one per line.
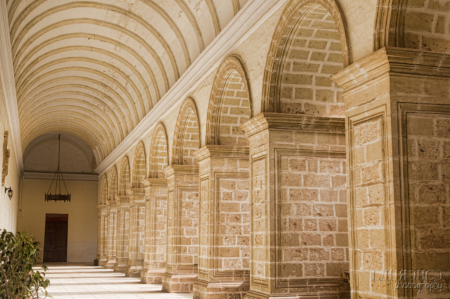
<point x="100" y="231"/>
<point x="155" y="230"/>
<point x="102" y="242"/>
<point x="224" y="257"/>
<point x="123" y="231"/>
<point x="136" y="233"/>
<point x="299" y="232"/>
<point x="182" y="229"/>
<point x="398" y="149"/>
<point x="111" y="242"/>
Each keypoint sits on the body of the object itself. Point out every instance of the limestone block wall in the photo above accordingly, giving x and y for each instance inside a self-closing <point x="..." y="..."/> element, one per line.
<point x="123" y="232"/>
<point x="155" y="230"/>
<point x="182" y="228"/>
<point x="314" y="53"/>
<point x="224" y="258"/>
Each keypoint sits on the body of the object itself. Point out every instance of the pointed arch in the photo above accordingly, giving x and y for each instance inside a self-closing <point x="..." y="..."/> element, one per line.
<point x="159" y="152"/>
<point x="139" y="165"/>
<point x="309" y="43"/>
<point x="186" y="138"/>
<point x="124" y="176"/>
<point x="114" y="185"/>
<point x="229" y="104"/>
<point x="104" y="190"/>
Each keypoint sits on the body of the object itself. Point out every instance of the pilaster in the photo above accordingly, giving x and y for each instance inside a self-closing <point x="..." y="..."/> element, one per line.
<point x="299" y="236"/>
<point x="224" y="257"/>
<point x="123" y="230"/>
<point x="103" y="231"/>
<point x="398" y="145"/>
<point x="182" y="228"/>
<point x="101" y="256"/>
<point x="155" y="230"/>
<point x="111" y="243"/>
<point x="136" y="233"/>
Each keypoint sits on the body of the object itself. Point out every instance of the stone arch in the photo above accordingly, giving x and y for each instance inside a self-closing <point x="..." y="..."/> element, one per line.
<point x="139" y="165"/>
<point x="124" y="176"/>
<point x="229" y="104"/>
<point x="413" y="24"/>
<point x="114" y="184"/>
<point x="104" y="190"/>
<point x="159" y="152"/>
<point x="308" y="46"/>
<point x="186" y="138"/>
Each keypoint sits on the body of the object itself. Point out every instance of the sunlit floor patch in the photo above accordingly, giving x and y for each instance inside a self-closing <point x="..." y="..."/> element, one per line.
<point x="84" y="281"/>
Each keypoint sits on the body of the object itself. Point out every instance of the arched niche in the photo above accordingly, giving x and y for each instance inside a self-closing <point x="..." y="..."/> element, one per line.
<point x="139" y="166"/>
<point x="114" y="184"/>
<point x="419" y="25"/>
<point x="308" y="46"/>
<point x="159" y="152"/>
<point x="104" y="190"/>
<point x="186" y="138"/>
<point x="229" y="105"/>
<point x="124" y="176"/>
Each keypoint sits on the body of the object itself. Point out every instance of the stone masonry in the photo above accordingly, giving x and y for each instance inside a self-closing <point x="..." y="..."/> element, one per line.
<point x="182" y="228"/>
<point x="155" y="230"/>
<point x="397" y="144"/>
<point x="299" y="239"/>
<point x="224" y="257"/>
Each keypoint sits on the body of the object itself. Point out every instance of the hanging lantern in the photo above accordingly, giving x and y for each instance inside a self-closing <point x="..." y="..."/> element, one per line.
<point x="58" y="180"/>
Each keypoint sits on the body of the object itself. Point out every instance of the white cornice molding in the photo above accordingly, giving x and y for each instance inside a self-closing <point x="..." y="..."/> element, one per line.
<point x="249" y="18"/>
<point x="8" y="83"/>
<point x="66" y="176"/>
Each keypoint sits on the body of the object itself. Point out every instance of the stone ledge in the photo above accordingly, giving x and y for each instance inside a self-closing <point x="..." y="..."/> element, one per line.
<point x="180" y="169"/>
<point x="154" y="182"/>
<point x="296" y="122"/>
<point x="393" y="60"/>
<point x="222" y="151"/>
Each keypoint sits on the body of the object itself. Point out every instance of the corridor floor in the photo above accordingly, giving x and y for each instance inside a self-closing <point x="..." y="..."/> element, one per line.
<point x="84" y="281"/>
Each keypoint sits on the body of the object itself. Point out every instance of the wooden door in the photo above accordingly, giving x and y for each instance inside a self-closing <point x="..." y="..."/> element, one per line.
<point x="55" y="242"/>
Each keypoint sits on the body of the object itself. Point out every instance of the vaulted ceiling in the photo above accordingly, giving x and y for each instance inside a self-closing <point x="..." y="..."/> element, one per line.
<point x="95" y="68"/>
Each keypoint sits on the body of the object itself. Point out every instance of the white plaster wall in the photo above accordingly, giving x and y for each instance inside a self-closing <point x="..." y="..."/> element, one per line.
<point x="82" y="231"/>
<point x="8" y="208"/>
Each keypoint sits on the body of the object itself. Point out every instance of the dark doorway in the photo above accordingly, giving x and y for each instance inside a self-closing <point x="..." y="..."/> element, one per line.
<point x="55" y="242"/>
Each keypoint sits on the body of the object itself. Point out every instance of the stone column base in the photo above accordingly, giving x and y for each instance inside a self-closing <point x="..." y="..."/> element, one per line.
<point x="111" y="264"/>
<point x="179" y="283"/>
<point x="102" y="262"/>
<point x="121" y="265"/>
<point x="214" y="290"/>
<point x="152" y="276"/>
<point x="133" y="271"/>
<point x="257" y="295"/>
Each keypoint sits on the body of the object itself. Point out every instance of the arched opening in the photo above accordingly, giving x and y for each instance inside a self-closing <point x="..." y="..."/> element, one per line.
<point x="307" y="49"/>
<point x="159" y="154"/>
<point x="114" y="185"/>
<point x="124" y="176"/>
<point x="139" y="166"/>
<point x="229" y="105"/>
<point x="187" y="135"/>
<point x="104" y="191"/>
